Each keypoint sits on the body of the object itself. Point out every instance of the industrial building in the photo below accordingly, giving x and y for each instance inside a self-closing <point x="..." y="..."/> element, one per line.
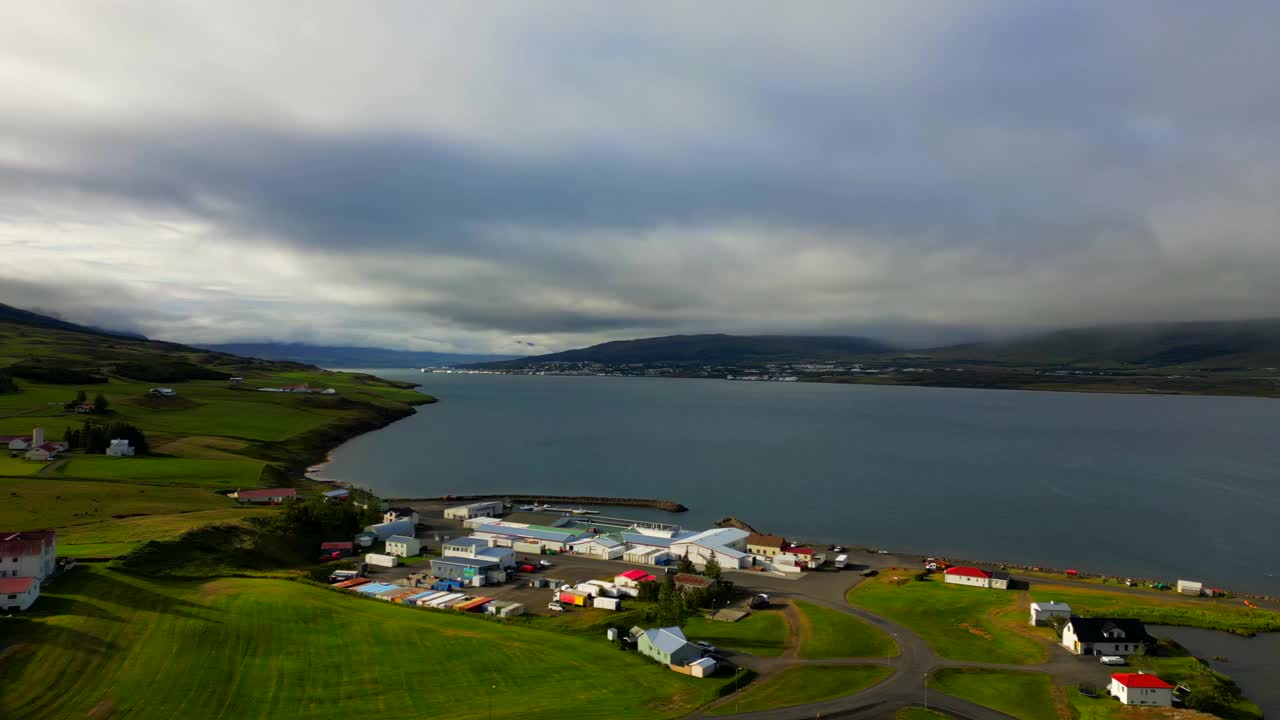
<point x="382" y="531"/>
<point x="527" y="538"/>
<point x="468" y="571"/>
<point x="488" y="508"/>
<point x="727" y="545"/>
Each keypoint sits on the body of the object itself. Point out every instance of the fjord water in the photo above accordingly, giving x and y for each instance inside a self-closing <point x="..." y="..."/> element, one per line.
<point x="1153" y="486"/>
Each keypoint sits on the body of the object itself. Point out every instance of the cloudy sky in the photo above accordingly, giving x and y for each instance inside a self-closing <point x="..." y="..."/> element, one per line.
<point x="479" y="176"/>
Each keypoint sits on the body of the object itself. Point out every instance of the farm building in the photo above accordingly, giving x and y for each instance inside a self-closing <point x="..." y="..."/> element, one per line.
<point x="16" y="443"/>
<point x="686" y="581"/>
<point x="976" y="577"/>
<point x="31" y="553"/>
<point x="468" y="570"/>
<point x="1044" y="613"/>
<point x="528" y="539"/>
<point x="45" y="451"/>
<point x="666" y="645"/>
<point x="1190" y="587"/>
<point x="600" y="546"/>
<point x="400" y="513"/>
<point x="18" y="593"/>
<point x="119" y="447"/>
<point x="1141" y="689"/>
<point x="382" y="531"/>
<point x="765" y="545"/>
<point x="1105" y="636"/>
<point x="403" y="546"/>
<point x="727" y="545"/>
<point x="269" y="496"/>
<point x="702" y="667"/>
<point x="487" y="508"/>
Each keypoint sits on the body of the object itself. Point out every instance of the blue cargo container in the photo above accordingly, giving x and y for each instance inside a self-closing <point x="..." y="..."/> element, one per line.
<point x="446" y="585"/>
<point x="414" y="598"/>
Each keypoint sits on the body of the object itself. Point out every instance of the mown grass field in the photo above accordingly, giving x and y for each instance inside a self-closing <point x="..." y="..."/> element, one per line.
<point x="961" y="623"/>
<point x="761" y="633"/>
<point x="17" y="466"/>
<point x="221" y="474"/>
<point x="104" y="644"/>
<point x="1163" y="609"/>
<point x="802" y="685"/>
<point x="828" y="633"/>
<point x="112" y="538"/>
<point x="42" y="502"/>
<point x="1024" y="695"/>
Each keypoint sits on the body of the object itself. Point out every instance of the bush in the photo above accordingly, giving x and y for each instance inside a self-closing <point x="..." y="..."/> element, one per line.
<point x="7" y="385"/>
<point x="54" y="375"/>
<point x="164" y="370"/>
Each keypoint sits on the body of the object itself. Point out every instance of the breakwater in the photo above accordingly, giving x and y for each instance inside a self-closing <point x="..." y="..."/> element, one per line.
<point x="668" y="505"/>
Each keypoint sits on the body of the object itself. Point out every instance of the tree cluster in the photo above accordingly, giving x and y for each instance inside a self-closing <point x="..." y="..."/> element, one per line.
<point x="100" y="402"/>
<point x="94" y="438"/>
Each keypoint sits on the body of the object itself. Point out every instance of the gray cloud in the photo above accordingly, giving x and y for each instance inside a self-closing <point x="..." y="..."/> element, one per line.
<point x="495" y="177"/>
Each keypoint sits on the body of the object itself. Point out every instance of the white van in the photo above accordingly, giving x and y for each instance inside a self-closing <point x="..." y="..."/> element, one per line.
<point x="1113" y="660"/>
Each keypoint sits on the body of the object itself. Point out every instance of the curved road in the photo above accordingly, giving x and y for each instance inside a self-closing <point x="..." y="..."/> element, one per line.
<point x="913" y="665"/>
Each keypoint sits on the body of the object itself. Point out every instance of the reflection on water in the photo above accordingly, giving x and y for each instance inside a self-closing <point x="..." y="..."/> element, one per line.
<point x="1254" y="663"/>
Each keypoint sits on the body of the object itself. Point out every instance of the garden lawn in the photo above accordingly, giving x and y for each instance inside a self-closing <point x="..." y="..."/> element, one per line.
<point x="828" y="633"/>
<point x="961" y="623"/>
<point x="1024" y="695"/>
<point x="760" y="633"/>
<point x="1166" y="609"/>
<point x="802" y="685"/>
<point x="221" y="474"/>
<point x="42" y="502"/>
<point x="104" y="644"/>
<point x="1102" y="707"/>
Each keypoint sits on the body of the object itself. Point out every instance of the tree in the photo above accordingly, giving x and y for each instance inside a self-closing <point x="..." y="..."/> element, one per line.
<point x="80" y="397"/>
<point x="712" y="568"/>
<point x="100" y="403"/>
<point x="685" y="565"/>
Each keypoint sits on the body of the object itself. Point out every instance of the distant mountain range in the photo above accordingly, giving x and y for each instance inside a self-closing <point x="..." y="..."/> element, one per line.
<point x="1229" y="345"/>
<point x="713" y="349"/>
<point x="341" y="356"/>
<point x="11" y="314"/>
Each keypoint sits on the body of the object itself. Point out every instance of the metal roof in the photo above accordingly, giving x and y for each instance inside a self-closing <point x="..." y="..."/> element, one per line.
<point x="640" y="539"/>
<point x="668" y="639"/>
<point x="401" y="539"/>
<point x="464" y="562"/>
<point x="530" y="532"/>
<point x="467" y="542"/>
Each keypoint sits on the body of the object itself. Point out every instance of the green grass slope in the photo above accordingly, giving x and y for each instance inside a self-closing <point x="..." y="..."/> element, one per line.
<point x="1024" y="695"/>
<point x="761" y="633"/>
<point x="802" y="685"/>
<point x="1225" y="614"/>
<point x="105" y="644"/>
<point x="829" y="633"/>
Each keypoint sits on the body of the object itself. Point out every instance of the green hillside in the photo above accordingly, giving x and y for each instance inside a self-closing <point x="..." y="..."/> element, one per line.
<point x="213" y="435"/>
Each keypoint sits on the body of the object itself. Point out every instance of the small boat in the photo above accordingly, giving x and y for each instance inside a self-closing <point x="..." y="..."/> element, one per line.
<point x="580" y="511"/>
<point x="526" y="507"/>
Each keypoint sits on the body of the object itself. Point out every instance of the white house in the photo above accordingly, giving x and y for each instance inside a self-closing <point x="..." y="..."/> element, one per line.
<point x="268" y="496"/>
<point x="382" y="531"/>
<point x="18" y="593"/>
<point x="727" y="545"/>
<point x="16" y="443"/>
<point x="488" y="508"/>
<point x="975" y="577"/>
<point x="599" y="546"/>
<point x="31" y="553"/>
<point x="400" y="513"/>
<point x="1104" y="636"/>
<point x="1141" y="689"/>
<point x="1190" y="587"/>
<point x="403" y="546"/>
<point x="162" y="392"/>
<point x="1043" y="613"/>
<point x="119" y="447"/>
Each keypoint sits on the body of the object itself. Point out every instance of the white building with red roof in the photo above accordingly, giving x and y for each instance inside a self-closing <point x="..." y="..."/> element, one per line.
<point x="30" y="553"/>
<point x="18" y="593"/>
<point x="1141" y="689"/>
<point x="976" y="577"/>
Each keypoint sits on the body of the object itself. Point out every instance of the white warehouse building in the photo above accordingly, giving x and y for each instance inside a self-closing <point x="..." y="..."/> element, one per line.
<point x="403" y="546"/>
<point x="488" y="508"/>
<point x="727" y="545"/>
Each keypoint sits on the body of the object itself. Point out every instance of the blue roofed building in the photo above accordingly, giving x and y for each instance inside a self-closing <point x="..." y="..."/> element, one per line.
<point x="666" y="645"/>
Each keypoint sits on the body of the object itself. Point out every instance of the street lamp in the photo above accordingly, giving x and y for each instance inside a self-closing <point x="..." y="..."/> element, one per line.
<point x="925" y="685"/>
<point x="489" y="696"/>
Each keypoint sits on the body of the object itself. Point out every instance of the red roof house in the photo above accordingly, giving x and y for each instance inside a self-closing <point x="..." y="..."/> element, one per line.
<point x="269" y="495"/>
<point x="964" y="571"/>
<point x="976" y="577"/>
<point x="1141" y="689"/>
<point x="15" y="585"/>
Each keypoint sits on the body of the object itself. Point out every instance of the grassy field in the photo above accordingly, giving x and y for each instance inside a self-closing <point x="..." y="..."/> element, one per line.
<point x="220" y="474"/>
<point x="40" y="502"/>
<point x="1024" y="695"/>
<point x="761" y="633"/>
<point x="828" y="633"/>
<point x="253" y="648"/>
<point x="111" y="538"/>
<point x="17" y="466"/>
<point x="961" y="623"/>
<point x="804" y="684"/>
<point x="1163" y="609"/>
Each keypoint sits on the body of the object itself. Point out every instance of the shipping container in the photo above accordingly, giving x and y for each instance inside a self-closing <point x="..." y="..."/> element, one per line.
<point x="406" y="592"/>
<point x="353" y="582"/>
<point x="511" y="610"/>
<point x="476" y="605"/>
<point x="414" y="598"/>
<point x="587" y="589"/>
<point x="446" y="585"/>
<point x="607" y="603"/>
<point x="382" y="560"/>
<point x="447" y="597"/>
<point x="426" y="599"/>
<point x="456" y="601"/>
<point x="374" y="588"/>
<point x="573" y="598"/>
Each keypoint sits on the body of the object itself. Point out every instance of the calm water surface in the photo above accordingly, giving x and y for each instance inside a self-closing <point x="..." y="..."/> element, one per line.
<point x="1168" y="487"/>
<point x="1254" y="663"/>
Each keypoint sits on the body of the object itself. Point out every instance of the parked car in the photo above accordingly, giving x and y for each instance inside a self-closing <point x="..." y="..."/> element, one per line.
<point x="837" y="548"/>
<point x="527" y="568"/>
<point x="555" y="606"/>
<point x="1113" y="660"/>
<point x="544" y="563"/>
<point x="706" y="646"/>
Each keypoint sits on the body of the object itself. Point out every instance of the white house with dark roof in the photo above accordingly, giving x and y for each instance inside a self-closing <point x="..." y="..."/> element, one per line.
<point x="1104" y="636"/>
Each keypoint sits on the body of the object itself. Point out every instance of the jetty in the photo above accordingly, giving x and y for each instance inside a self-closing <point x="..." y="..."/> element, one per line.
<point x="555" y="500"/>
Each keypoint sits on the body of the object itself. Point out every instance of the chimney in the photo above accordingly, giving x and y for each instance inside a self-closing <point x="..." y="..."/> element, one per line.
<point x="37" y="437"/>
